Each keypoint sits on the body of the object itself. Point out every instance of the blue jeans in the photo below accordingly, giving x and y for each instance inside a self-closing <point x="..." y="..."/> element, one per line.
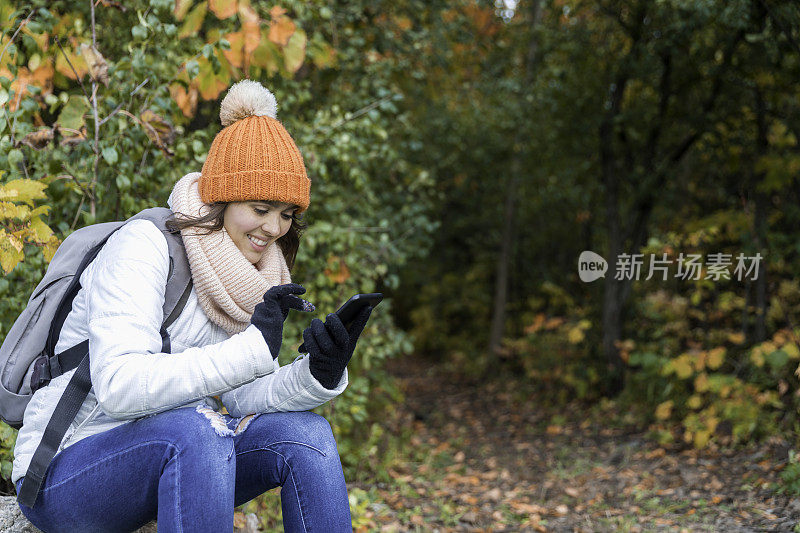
<point x="188" y="468"/>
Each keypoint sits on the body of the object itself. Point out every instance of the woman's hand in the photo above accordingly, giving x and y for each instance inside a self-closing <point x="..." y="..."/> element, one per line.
<point x="270" y="314"/>
<point x="331" y="346"/>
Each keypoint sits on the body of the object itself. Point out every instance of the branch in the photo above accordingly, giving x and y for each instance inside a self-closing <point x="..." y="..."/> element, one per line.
<point x="665" y="93"/>
<point x="96" y="163"/>
<point x="80" y="81"/>
<point x="21" y="25"/>
<point x="779" y="24"/>
<point x="71" y="176"/>
<point x="656" y="177"/>
<point x="19" y="28"/>
<point x="110" y="115"/>
<point x="355" y="115"/>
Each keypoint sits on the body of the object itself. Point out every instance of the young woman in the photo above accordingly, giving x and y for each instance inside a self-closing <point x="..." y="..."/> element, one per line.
<point x="149" y="441"/>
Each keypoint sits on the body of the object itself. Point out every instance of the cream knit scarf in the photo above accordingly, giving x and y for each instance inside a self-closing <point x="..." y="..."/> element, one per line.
<point x="228" y="286"/>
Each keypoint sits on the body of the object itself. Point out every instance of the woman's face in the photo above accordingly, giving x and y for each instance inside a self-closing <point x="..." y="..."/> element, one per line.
<point x="254" y="225"/>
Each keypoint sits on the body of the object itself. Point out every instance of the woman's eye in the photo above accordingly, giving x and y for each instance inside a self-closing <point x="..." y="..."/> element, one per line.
<point x="287" y="217"/>
<point x="260" y="212"/>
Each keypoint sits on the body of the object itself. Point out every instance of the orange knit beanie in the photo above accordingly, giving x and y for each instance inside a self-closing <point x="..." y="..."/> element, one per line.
<point x="253" y="157"/>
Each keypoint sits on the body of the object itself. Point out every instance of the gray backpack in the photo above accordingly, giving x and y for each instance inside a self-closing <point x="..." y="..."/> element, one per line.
<point x="27" y="356"/>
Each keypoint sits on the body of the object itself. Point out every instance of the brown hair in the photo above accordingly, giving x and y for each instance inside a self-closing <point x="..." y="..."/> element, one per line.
<point x="214" y="220"/>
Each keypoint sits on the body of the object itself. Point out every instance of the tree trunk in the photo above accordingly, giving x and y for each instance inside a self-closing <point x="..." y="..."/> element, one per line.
<point x="761" y="205"/>
<point x="510" y="204"/>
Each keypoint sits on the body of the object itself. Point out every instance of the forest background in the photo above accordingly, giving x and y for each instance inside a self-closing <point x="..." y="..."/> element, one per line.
<point x="463" y="155"/>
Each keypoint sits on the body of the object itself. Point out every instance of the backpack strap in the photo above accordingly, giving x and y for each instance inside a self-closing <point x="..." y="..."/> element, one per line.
<point x="179" y="287"/>
<point x="65" y="412"/>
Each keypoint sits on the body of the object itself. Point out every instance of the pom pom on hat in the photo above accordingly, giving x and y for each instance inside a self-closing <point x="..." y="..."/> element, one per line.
<point x="247" y="98"/>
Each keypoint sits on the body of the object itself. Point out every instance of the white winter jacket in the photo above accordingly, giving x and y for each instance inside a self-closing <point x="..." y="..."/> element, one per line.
<point x="119" y="309"/>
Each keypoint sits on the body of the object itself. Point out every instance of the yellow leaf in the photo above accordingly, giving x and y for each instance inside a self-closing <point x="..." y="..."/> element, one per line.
<point x="15" y="242"/>
<point x="715" y="357"/>
<point x="682" y="366"/>
<point x="736" y="338"/>
<point x="41" y="230"/>
<point x="701" y="438"/>
<point x="23" y="190"/>
<point x="50" y="248"/>
<point x="694" y="401"/>
<point x="757" y="356"/>
<point x="699" y="361"/>
<point x="791" y="350"/>
<point x="208" y="83"/>
<point x="664" y="410"/>
<point x="701" y="382"/>
<point x="575" y="335"/>
<point x="10" y="253"/>
<point x="9" y="210"/>
<point x="41" y="210"/>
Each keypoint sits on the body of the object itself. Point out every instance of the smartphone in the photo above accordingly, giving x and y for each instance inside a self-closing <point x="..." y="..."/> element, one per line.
<point x="352" y="307"/>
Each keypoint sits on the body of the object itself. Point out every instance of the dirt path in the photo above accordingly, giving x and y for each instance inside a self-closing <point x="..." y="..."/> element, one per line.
<point x="493" y="457"/>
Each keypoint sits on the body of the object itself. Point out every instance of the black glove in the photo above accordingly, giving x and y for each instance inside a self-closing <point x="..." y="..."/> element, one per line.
<point x="331" y="346"/>
<point x="270" y="314"/>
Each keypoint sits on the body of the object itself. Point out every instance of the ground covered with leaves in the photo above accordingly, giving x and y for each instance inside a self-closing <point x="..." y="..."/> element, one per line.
<point x="492" y="455"/>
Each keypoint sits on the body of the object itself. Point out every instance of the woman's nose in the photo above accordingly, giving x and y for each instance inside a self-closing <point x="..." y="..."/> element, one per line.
<point x="271" y="226"/>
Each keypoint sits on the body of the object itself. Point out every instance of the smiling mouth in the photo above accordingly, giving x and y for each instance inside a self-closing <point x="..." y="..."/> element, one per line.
<point x="258" y="242"/>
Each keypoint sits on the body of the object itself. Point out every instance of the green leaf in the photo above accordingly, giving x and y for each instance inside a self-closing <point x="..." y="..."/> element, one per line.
<point x="777" y="359"/>
<point x="123" y="182"/>
<point x="295" y="51"/>
<point x="110" y="155"/>
<point x="71" y="115"/>
<point x="15" y="156"/>
<point x="193" y="20"/>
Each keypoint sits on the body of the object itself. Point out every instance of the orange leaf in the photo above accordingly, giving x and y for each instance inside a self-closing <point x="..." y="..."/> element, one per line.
<point x="223" y="8"/>
<point x="252" y="36"/>
<point x="62" y="66"/>
<point x="235" y="55"/>
<point x="186" y="99"/>
<point x="181" y="7"/>
<point x="247" y="14"/>
<point x="277" y="11"/>
<point x="281" y="29"/>
<point x="337" y="270"/>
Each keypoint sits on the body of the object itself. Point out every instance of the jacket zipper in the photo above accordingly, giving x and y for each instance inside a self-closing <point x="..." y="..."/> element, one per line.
<point x="86" y="421"/>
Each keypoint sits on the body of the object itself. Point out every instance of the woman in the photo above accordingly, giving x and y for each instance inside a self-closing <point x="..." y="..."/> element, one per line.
<point x="149" y="441"/>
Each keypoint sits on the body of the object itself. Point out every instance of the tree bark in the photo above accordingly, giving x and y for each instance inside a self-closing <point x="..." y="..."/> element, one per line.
<point x="761" y="205"/>
<point x="512" y="189"/>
